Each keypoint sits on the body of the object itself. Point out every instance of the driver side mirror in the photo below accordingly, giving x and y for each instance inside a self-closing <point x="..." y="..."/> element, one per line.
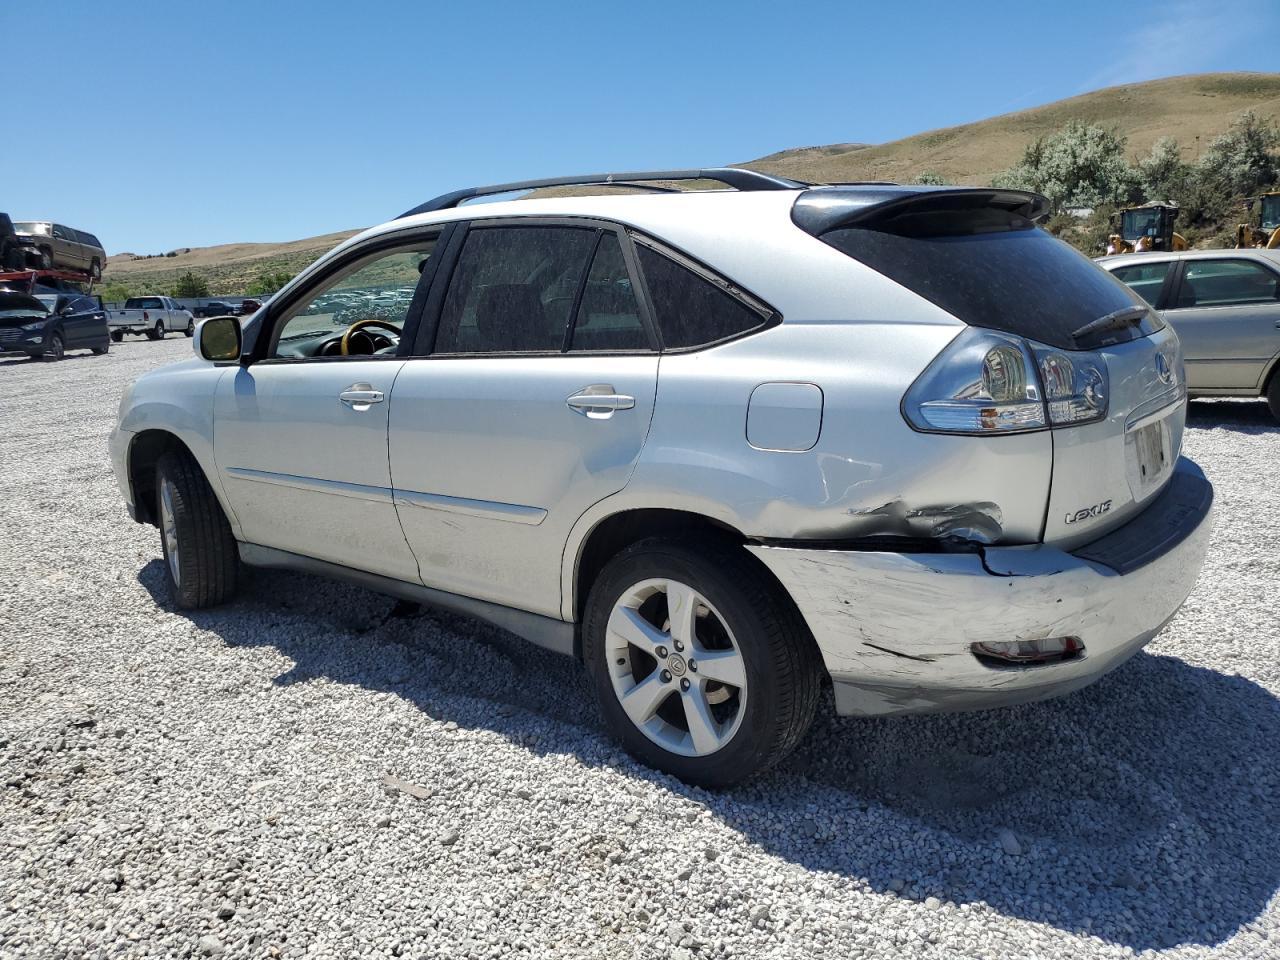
<point x="218" y="339"/>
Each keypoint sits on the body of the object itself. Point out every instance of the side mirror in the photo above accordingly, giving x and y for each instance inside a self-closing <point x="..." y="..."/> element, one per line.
<point x="218" y="339"/>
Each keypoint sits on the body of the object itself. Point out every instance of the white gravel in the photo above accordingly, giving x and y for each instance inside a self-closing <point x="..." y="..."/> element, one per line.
<point x="314" y="771"/>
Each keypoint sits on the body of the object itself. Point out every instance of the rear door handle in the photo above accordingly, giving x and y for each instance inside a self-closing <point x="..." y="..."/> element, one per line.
<point x="600" y="401"/>
<point x="359" y="396"/>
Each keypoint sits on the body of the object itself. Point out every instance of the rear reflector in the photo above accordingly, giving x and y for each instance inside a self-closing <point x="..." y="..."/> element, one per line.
<point x="1028" y="652"/>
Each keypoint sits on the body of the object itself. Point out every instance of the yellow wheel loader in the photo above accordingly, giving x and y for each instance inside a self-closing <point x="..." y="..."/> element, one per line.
<point x="1267" y="233"/>
<point x="1145" y="228"/>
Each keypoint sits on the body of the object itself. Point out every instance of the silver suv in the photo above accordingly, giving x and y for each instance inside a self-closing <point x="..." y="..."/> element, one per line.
<point x="727" y="447"/>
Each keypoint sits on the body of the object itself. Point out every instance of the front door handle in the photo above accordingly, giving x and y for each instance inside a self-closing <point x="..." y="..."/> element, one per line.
<point x="599" y="401"/>
<point x="360" y="396"/>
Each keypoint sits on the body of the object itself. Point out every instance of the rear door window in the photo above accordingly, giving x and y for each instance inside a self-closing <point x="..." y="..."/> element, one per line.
<point x="992" y="269"/>
<point x="609" y="314"/>
<point x="1144" y="279"/>
<point x="514" y="288"/>
<point x="1222" y="283"/>
<point x="694" y="307"/>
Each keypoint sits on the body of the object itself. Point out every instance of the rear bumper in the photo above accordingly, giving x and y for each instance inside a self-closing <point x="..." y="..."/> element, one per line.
<point x="895" y="629"/>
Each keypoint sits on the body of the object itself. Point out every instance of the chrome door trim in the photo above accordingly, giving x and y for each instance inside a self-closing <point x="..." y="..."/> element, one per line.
<point x="546" y="632"/>
<point x="486" y="509"/>
<point x="358" y="491"/>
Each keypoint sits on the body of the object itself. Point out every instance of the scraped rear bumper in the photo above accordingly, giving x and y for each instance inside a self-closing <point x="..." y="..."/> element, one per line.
<point x="896" y="630"/>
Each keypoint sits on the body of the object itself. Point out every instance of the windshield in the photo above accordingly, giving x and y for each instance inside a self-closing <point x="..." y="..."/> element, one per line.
<point x="1271" y="212"/>
<point x="27" y="226"/>
<point x="1140" y="223"/>
<point x="50" y="300"/>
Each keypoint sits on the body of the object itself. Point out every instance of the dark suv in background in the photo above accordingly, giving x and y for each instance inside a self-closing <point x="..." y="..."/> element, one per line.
<point x="45" y="325"/>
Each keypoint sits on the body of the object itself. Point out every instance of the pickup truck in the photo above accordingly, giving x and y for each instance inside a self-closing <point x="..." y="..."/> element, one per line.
<point x="152" y="316"/>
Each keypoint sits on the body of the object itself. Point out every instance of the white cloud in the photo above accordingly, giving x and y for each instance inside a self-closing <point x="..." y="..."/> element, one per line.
<point x="1190" y="36"/>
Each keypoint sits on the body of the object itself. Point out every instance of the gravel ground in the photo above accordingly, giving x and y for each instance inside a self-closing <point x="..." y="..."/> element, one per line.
<point x="317" y="771"/>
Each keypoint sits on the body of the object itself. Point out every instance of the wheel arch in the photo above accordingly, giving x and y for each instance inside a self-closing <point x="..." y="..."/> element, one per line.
<point x="612" y="533"/>
<point x="145" y="451"/>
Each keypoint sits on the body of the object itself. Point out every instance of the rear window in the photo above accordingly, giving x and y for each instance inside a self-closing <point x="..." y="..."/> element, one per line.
<point x="143" y="303"/>
<point x="991" y="268"/>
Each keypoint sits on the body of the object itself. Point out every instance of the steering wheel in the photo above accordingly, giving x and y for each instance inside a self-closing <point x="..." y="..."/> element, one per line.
<point x="360" y="325"/>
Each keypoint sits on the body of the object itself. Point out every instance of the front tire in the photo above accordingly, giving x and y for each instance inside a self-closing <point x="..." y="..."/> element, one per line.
<point x="1273" y="394"/>
<point x="702" y="666"/>
<point x="56" y="350"/>
<point x="95" y="270"/>
<point x="200" y="558"/>
<point x="191" y="328"/>
<point x="99" y="351"/>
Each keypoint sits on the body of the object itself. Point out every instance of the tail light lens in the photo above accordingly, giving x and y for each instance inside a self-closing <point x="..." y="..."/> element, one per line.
<point x="1075" y="387"/>
<point x="986" y="382"/>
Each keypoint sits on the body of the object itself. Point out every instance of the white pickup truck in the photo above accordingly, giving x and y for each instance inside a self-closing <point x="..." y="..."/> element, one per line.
<point x="152" y="316"/>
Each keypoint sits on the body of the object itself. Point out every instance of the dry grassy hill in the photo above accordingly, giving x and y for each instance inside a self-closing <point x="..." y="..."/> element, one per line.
<point x="1201" y="105"/>
<point x="228" y="268"/>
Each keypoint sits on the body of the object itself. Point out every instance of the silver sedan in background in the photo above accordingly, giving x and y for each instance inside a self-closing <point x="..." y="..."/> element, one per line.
<point x="1225" y="307"/>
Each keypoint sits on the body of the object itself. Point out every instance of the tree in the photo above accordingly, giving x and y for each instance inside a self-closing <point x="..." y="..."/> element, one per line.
<point x="115" y="292"/>
<point x="269" y="282"/>
<point x="930" y="178"/>
<point x="1162" y="173"/>
<point x="1245" y="159"/>
<point x="1079" y="166"/>
<point x="190" y="286"/>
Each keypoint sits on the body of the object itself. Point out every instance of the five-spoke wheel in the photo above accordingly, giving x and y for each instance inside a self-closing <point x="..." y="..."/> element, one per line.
<point x="702" y="666"/>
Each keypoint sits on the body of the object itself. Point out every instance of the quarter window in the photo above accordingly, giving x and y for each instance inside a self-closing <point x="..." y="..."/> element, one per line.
<point x="690" y="310"/>
<point x="513" y="289"/>
<point x="1218" y="283"/>
<point x="1144" y="279"/>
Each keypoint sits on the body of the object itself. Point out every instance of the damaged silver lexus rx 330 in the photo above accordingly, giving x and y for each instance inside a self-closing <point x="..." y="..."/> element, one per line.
<point x="725" y="446"/>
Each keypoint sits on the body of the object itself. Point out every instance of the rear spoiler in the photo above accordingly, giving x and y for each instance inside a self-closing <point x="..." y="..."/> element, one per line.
<point x="827" y="208"/>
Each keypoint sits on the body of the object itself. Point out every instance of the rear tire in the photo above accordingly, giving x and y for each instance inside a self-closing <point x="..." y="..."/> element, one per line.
<point x="46" y="258"/>
<point x="156" y="332"/>
<point x="201" y="562"/>
<point x="117" y="336"/>
<point x="191" y="328"/>
<point x="1273" y="394"/>
<point x="99" y="351"/>
<point x="752" y="697"/>
<point x="95" y="270"/>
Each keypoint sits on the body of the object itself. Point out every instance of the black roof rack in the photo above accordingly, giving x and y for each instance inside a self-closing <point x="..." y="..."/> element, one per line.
<point x="734" y="177"/>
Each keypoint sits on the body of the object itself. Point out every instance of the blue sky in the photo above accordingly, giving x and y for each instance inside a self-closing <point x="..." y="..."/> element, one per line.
<point x="188" y="124"/>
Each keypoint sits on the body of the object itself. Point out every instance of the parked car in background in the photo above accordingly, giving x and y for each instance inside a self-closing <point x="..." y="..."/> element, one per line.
<point x="725" y="446"/>
<point x="214" y="308"/>
<point x="152" y="317"/>
<point x="54" y="246"/>
<point x="1225" y="307"/>
<point x="249" y="306"/>
<point x="47" y="325"/>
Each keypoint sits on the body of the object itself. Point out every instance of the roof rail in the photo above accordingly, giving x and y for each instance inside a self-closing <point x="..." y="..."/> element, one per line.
<point x="734" y="177"/>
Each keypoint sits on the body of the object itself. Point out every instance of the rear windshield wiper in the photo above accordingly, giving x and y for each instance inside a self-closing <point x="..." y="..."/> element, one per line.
<point x="1117" y="320"/>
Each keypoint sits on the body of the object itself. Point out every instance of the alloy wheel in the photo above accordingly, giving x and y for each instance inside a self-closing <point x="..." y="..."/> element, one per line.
<point x="675" y="667"/>
<point x="169" y="528"/>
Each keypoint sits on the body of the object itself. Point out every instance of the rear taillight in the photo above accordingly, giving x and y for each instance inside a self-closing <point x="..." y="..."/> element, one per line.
<point x="1075" y="385"/>
<point x="986" y="382"/>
